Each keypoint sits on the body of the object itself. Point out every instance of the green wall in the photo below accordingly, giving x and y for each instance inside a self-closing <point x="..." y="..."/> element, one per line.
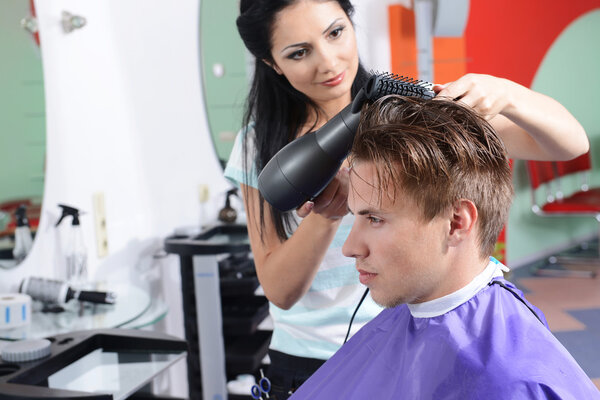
<point x="22" y="115"/>
<point x="568" y="73"/>
<point x="224" y="96"/>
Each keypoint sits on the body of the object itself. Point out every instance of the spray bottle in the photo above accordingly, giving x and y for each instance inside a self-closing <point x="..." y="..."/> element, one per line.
<point x="23" y="240"/>
<point x="75" y="251"/>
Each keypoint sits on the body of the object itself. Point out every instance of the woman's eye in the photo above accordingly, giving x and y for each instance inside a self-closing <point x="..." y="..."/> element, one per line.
<point x="297" y="54"/>
<point x="337" y="32"/>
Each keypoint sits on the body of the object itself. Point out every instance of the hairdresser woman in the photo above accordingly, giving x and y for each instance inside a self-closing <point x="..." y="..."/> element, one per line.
<point x="307" y="69"/>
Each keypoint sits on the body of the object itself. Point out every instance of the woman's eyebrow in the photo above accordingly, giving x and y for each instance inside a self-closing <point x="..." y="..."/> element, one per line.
<point x="303" y="44"/>
<point x="330" y="25"/>
<point x="306" y="44"/>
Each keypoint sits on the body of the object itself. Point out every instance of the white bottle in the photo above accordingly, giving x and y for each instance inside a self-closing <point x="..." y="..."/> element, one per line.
<point x="23" y="239"/>
<point x="75" y="250"/>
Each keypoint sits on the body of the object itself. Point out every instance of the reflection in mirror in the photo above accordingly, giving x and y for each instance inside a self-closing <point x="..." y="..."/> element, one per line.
<point x="22" y="133"/>
<point x="224" y="72"/>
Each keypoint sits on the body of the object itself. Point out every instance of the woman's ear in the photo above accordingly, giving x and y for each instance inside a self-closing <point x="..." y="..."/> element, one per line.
<point x="462" y="221"/>
<point x="272" y="65"/>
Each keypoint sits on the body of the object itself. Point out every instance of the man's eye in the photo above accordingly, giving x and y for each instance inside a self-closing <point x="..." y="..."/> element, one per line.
<point x="375" y="220"/>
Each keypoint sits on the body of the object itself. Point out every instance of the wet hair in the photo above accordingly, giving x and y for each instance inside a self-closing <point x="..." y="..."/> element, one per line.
<point x="275" y="109"/>
<point x="437" y="152"/>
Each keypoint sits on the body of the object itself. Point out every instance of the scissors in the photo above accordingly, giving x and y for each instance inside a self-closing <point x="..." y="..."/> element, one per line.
<point x="263" y="387"/>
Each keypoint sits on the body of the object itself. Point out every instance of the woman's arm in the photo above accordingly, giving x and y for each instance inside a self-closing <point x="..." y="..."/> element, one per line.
<point x="286" y="269"/>
<point x="533" y="126"/>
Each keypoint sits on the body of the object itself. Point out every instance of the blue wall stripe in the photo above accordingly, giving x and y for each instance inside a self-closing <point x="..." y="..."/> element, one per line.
<point x="283" y="341"/>
<point x="346" y="275"/>
<point x="340" y="237"/>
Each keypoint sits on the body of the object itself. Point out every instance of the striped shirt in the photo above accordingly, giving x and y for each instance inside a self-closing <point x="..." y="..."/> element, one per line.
<point x="316" y="325"/>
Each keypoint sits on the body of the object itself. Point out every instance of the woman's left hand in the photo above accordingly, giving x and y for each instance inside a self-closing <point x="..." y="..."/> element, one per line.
<point x="487" y="94"/>
<point x="533" y="126"/>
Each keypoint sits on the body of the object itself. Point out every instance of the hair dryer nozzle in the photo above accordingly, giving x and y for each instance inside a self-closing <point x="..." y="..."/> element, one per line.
<point x="302" y="169"/>
<point x="297" y="173"/>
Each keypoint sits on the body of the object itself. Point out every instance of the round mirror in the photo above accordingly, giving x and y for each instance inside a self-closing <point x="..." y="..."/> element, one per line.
<point x="22" y="138"/>
<point x="225" y="66"/>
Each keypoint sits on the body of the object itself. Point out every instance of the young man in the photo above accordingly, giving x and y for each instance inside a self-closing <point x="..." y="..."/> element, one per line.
<point x="431" y="187"/>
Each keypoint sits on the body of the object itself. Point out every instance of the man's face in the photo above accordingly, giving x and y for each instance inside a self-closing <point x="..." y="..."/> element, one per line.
<point x="399" y="256"/>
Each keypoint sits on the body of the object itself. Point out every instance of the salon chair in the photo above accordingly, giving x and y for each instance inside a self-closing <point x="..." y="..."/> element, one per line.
<point x="549" y="179"/>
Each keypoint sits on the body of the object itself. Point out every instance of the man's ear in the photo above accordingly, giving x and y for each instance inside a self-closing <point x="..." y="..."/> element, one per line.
<point x="462" y="221"/>
<point x="272" y="65"/>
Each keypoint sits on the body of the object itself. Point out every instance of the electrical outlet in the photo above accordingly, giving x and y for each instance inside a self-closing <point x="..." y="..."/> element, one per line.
<point x="100" y="224"/>
<point x="203" y="193"/>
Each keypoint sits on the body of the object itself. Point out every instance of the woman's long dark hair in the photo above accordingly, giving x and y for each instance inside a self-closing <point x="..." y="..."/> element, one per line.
<point x="276" y="110"/>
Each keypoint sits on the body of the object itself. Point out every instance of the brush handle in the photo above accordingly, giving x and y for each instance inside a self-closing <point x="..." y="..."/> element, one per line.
<point x="93" y="297"/>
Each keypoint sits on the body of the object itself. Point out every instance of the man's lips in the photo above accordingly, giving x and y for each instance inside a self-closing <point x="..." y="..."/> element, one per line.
<point x="336" y="80"/>
<point x="365" y="276"/>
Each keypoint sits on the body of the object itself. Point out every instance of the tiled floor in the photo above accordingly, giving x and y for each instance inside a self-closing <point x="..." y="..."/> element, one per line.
<point x="572" y="308"/>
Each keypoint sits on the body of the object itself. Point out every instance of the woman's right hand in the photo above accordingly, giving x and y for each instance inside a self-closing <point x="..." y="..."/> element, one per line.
<point x="332" y="203"/>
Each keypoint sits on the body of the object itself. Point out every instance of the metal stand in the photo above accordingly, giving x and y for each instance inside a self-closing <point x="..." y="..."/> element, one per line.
<point x="210" y="327"/>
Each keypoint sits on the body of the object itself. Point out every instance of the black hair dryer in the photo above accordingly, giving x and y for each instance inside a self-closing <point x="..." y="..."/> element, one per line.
<point x="303" y="168"/>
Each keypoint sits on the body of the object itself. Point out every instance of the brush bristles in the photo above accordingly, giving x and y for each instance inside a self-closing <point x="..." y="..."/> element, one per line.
<point x="381" y="84"/>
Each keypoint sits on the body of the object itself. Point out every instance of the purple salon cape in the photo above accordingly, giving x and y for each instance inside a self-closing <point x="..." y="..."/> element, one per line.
<point x="489" y="347"/>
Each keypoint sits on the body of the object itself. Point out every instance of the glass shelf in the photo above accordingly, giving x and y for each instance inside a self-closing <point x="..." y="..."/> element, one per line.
<point x="134" y="308"/>
<point x="118" y="373"/>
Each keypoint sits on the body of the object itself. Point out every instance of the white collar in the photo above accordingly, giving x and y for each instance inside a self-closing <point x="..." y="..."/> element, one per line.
<point x="449" y="302"/>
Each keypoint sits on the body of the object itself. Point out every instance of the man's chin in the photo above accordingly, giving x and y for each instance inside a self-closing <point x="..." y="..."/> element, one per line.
<point x="385" y="302"/>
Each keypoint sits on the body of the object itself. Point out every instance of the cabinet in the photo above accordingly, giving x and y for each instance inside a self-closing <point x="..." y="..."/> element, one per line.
<point x="221" y="310"/>
<point x="105" y="364"/>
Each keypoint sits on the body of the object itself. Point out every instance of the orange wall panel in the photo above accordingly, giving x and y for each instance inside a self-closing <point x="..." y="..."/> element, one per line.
<point x="402" y="41"/>
<point x="448" y="53"/>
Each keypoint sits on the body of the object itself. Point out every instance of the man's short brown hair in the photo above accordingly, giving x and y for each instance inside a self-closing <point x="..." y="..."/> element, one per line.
<point x="437" y="152"/>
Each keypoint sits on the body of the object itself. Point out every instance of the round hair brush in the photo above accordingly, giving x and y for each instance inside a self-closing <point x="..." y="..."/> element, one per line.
<point x="58" y="292"/>
<point x="304" y="167"/>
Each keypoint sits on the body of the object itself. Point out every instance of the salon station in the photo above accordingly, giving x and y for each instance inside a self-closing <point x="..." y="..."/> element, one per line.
<point x="130" y="230"/>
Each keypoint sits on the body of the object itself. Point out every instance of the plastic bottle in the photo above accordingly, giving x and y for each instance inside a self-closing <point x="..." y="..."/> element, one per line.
<point x="23" y="239"/>
<point x="75" y="250"/>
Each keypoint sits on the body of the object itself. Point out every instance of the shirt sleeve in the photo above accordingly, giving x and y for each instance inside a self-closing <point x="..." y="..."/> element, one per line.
<point x="240" y="169"/>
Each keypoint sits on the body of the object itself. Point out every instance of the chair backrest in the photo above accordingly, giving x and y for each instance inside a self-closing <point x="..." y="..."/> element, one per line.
<point x="580" y="164"/>
<point x="547" y="173"/>
<point x="540" y="172"/>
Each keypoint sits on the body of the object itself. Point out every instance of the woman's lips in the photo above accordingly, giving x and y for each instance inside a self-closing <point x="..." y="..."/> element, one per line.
<point x="365" y="277"/>
<point x="336" y="80"/>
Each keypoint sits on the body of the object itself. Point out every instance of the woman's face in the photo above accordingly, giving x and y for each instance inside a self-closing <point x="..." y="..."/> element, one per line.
<point x="314" y="47"/>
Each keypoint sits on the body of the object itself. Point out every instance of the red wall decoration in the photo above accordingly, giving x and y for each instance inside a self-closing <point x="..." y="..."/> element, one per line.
<point x="506" y="38"/>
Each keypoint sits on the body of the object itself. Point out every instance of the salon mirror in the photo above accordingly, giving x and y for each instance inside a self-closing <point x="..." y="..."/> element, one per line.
<point x="23" y="122"/>
<point x="225" y="72"/>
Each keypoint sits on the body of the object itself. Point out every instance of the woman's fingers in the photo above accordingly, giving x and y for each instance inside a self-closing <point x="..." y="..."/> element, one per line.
<point x="332" y="202"/>
<point x="453" y="90"/>
<point x="305" y="209"/>
<point x="484" y="93"/>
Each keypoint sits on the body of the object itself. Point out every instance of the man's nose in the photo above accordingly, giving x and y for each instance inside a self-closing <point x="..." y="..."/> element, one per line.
<point x="354" y="246"/>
